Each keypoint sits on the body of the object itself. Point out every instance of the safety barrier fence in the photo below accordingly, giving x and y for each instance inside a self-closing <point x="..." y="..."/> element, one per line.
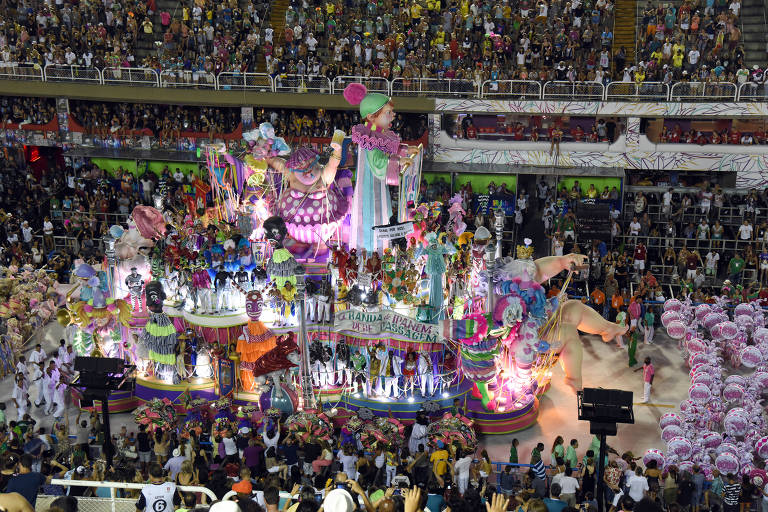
<point x="400" y="86"/>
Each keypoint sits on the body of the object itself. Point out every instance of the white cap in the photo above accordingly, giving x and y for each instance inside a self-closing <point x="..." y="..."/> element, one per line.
<point x="338" y="500"/>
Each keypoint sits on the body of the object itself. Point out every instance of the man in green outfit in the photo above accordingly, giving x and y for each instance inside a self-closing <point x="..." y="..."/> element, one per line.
<point x="571" y="459"/>
<point x="735" y="266"/>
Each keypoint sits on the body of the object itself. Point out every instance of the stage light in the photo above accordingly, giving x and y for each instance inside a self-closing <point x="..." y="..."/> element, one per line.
<point x="333" y="412"/>
<point x="357" y="395"/>
<point x="445" y="394"/>
<point x="410" y="400"/>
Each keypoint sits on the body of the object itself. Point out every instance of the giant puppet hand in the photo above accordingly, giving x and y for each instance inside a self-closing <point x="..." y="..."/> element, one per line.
<point x="145" y="225"/>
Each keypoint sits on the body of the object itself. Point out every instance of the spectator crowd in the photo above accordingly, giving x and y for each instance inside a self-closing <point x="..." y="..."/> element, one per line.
<point x="267" y="468"/>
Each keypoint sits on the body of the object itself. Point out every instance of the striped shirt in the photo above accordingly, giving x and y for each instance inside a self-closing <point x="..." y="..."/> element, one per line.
<point x="539" y="470"/>
<point x="731" y="494"/>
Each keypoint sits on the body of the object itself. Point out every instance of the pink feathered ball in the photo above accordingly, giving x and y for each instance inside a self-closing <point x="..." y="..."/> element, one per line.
<point x="354" y="93"/>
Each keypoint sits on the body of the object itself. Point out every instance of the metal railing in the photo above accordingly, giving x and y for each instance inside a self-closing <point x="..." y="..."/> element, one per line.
<point x="21" y="71"/>
<point x="242" y="81"/>
<point x="302" y="84"/>
<point x="703" y="91"/>
<point x="373" y="84"/>
<point x="57" y="73"/>
<point x="113" y="503"/>
<point x="188" y="78"/>
<point x="434" y="86"/>
<point x="512" y="89"/>
<point x="751" y="91"/>
<point x="571" y="90"/>
<point x="518" y="89"/>
<point x="146" y="77"/>
<point x="727" y="215"/>
<point x="657" y="91"/>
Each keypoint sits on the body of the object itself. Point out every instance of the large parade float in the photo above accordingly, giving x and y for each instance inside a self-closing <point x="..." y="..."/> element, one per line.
<point x="313" y="282"/>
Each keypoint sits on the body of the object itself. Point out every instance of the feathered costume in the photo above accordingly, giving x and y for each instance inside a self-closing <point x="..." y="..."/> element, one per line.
<point x="159" y="336"/>
<point x="256" y="340"/>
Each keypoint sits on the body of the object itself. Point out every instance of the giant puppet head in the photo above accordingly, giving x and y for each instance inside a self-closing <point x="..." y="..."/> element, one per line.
<point x="275" y="231"/>
<point x="253" y="305"/>
<point x="145" y="225"/>
<point x="376" y="109"/>
<point x="155" y="297"/>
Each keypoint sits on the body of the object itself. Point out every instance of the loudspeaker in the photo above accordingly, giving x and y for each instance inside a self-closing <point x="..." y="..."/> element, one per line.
<point x="99" y="365"/>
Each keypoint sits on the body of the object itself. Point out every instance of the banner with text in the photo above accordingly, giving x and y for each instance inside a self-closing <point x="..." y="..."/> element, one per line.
<point x="394" y="231"/>
<point x="386" y="324"/>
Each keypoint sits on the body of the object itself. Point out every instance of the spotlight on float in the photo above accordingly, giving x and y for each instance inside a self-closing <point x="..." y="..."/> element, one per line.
<point x="410" y="400"/>
<point x="445" y="394"/>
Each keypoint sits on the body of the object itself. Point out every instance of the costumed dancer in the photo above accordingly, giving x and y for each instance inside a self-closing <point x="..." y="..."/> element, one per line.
<point x="159" y="336"/>
<point x="343" y="364"/>
<point x="201" y="284"/>
<point x="310" y="301"/>
<point x="409" y="373"/>
<point x="256" y="339"/>
<point x="358" y="363"/>
<point x="223" y="284"/>
<point x="378" y="165"/>
<point x="394" y="366"/>
<point x="324" y="299"/>
<point x="281" y="266"/>
<point x="435" y="269"/>
<point x="243" y="281"/>
<point x="135" y="284"/>
<point x="374" y="353"/>
<point x="426" y="375"/>
<point x="418" y="433"/>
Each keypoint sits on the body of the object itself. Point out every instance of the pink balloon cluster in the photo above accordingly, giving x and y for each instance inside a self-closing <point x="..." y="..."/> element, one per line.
<point x="720" y="425"/>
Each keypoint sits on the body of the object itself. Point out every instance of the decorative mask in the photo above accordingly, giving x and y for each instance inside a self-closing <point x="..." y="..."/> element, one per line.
<point x="155" y="297"/>
<point x="253" y="305"/>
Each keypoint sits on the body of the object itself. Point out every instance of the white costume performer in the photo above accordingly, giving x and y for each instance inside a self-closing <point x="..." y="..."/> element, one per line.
<point x="36" y="385"/>
<point x="426" y="377"/>
<point x="392" y="389"/>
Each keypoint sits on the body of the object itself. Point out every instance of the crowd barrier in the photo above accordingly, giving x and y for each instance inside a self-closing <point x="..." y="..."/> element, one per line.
<point x="400" y="86"/>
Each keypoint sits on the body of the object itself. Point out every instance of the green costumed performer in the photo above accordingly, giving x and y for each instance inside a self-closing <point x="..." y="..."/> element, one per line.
<point x="281" y="266"/>
<point x="632" y="348"/>
<point x="159" y="336"/>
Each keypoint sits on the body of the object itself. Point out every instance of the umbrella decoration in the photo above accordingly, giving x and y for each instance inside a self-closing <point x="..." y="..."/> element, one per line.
<point x="381" y="432"/>
<point x="156" y="414"/>
<point x="310" y="426"/>
<point x="452" y="428"/>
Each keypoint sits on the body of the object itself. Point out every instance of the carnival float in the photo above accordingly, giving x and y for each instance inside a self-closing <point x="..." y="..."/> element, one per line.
<point x="287" y="287"/>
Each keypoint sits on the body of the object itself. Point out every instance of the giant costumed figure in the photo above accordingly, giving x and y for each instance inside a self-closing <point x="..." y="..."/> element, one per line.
<point x="528" y="325"/>
<point x="435" y="269"/>
<point x="378" y="165"/>
<point x="160" y="336"/>
<point x="255" y="341"/>
<point x="315" y="197"/>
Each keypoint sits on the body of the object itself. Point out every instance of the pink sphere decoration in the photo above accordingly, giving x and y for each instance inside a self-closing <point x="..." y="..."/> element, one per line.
<point x="671" y="432"/>
<point x="728" y="330"/>
<point x="711" y="320"/>
<point x="670" y="418"/>
<point x="680" y="446"/>
<point x="654" y="454"/>
<point x="673" y="305"/>
<point x="727" y="448"/>
<point x="695" y="345"/>
<point x="701" y="311"/>
<point x="676" y="329"/>
<point x="701" y="368"/>
<point x="687" y="406"/>
<point x="703" y="378"/>
<point x="761" y="379"/>
<point x="733" y="392"/>
<point x="699" y="393"/>
<point x="736" y="379"/>
<point x="760" y="335"/>
<point x="743" y="309"/>
<point x="727" y="463"/>
<point x="711" y="440"/>
<point x="744" y="322"/>
<point x="751" y="356"/>
<point x="669" y="316"/>
<point x="761" y="447"/>
<point x="735" y="424"/>
<point x="698" y="358"/>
